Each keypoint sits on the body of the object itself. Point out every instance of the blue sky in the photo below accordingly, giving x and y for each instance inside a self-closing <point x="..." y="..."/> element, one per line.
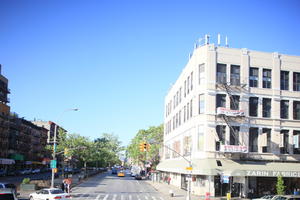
<point x="116" y="59"/>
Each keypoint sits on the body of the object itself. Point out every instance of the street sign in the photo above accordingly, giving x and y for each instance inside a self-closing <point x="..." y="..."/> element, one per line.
<point x="53" y="164"/>
<point x="189" y="168"/>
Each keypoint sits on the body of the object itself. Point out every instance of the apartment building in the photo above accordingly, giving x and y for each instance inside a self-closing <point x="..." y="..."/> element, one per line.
<point x="22" y="144"/>
<point x="50" y="126"/>
<point x="235" y="115"/>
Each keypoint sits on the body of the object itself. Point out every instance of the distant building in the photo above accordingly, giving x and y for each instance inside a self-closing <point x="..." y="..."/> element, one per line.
<point x="22" y="144"/>
<point x="50" y="126"/>
<point x="235" y="113"/>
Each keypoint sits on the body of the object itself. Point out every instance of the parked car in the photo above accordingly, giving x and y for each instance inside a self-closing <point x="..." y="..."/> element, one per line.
<point x="286" y="197"/>
<point x="10" y="186"/>
<point x="264" y="197"/>
<point x="114" y="170"/>
<point x="36" y="171"/>
<point x="49" y="193"/>
<point x="138" y="177"/>
<point x="7" y="194"/>
<point x="2" y="172"/>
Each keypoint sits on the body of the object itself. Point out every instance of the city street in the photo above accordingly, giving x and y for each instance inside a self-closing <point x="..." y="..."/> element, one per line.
<point x="108" y="186"/>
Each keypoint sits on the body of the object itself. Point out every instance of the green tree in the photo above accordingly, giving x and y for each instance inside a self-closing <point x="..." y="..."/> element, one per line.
<point x="153" y="136"/>
<point x="108" y="150"/>
<point x="280" y="186"/>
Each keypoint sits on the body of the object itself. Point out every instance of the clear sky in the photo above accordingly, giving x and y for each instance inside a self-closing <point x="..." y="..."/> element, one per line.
<point x="116" y="59"/>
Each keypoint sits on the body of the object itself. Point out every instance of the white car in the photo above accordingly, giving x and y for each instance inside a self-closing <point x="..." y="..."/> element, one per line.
<point x="50" y="194"/>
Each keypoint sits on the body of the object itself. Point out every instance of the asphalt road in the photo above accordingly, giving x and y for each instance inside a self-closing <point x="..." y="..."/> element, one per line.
<point x="110" y="187"/>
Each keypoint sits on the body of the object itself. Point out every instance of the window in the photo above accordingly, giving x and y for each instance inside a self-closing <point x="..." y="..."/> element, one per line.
<point x="234" y="135"/>
<point x="266" y="147"/>
<point x="180" y="94"/>
<point x="253" y="106"/>
<point x="187" y="145"/>
<point x="177" y="98"/>
<point x="221" y="100"/>
<point x="296" y="110"/>
<point x="266" y="107"/>
<point x="191" y="109"/>
<point x="253" y="77"/>
<point x="176" y="147"/>
<point x="185" y="88"/>
<point x="235" y="75"/>
<point x="179" y="117"/>
<point x="201" y="103"/>
<point x="296" y="142"/>
<point x="191" y="81"/>
<point x="296" y="81"/>
<point x="174" y="101"/>
<point x="284" y="141"/>
<point x="176" y="120"/>
<point x="221" y="73"/>
<point x="234" y="102"/>
<point x="188" y="85"/>
<point x="221" y="131"/>
<point x="174" y="123"/>
<point x="201" y="74"/>
<point x="184" y="113"/>
<point x="188" y="111"/>
<point x="284" y="80"/>
<point x="253" y="135"/>
<point x="284" y="109"/>
<point x="267" y="73"/>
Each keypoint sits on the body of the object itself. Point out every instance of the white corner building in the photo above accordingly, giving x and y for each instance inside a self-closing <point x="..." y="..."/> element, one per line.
<point x="235" y="114"/>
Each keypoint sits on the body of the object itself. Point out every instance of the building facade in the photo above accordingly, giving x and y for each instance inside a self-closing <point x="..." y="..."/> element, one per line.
<point x="235" y="114"/>
<point x="22" y="144"/>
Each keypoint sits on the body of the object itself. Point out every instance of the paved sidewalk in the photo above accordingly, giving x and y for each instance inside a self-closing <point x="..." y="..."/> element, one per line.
<point x="179" y="194"/>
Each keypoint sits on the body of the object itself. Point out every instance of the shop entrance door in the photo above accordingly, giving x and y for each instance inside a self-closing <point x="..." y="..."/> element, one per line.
<point x="184" y="182"/>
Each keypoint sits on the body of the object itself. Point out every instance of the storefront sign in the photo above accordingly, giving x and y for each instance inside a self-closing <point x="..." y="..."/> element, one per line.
<point x="228" y="112"/>
<point x="233" y="149"/>
<point x="272" y="173"/>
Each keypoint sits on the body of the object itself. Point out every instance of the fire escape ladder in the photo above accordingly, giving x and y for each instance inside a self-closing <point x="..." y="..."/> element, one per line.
<point x="229" y="92"/>
<point x="234" y="132"/>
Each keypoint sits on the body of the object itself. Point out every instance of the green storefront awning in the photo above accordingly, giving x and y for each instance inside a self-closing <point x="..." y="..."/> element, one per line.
<point x="17" y="156"/>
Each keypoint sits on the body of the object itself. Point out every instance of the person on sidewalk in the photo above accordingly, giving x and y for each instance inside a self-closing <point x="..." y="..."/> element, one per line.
<point x="63" y="185"/>
<point x="169" y="180"/>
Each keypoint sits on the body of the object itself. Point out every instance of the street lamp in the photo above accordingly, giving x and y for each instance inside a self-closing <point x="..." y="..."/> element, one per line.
<point x="54" y="143"/>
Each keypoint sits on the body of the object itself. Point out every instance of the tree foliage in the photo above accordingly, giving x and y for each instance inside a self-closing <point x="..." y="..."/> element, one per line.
<point x="280" y="186"/>
<point x="102" y="152"/>
<point x="154" y="136"/>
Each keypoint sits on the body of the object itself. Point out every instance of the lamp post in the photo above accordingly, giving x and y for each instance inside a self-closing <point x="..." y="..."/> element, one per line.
<point x="54" y="144"/>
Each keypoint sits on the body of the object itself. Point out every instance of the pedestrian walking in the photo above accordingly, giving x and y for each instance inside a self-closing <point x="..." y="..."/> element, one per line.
<point x="63" y="185"/>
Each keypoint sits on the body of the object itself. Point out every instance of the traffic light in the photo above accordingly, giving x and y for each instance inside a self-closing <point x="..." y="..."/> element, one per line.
<point x="148" y="147"/>
<point x="142" y="147"/>
<point x="145" y="146"/>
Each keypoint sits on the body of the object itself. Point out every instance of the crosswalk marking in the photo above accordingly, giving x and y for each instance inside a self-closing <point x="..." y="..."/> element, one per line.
<point x="115" y="196"/>
<point x="106" y="196"/>
<point x="98" y="197"/>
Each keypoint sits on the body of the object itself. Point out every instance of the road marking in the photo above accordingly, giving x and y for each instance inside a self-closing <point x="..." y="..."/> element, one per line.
<point x="98" y="197"/>
<point x="106" y="196"/>
<point x="130" y="197"/>
<point x="161" y="198"/>
<point x="115" y="196"/>
<point x="138" y="197"/>
<point x="153" y="198"/>
<point x="146" y="197"/>
<point x="122" y="197"/>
